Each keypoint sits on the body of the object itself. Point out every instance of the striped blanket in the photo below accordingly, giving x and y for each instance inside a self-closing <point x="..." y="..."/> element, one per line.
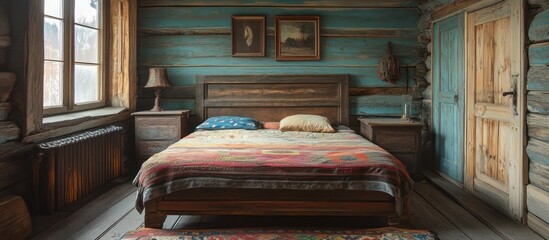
<point x="270" y="159"/>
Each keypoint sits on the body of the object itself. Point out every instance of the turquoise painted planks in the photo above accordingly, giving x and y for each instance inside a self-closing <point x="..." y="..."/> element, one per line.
<point x="216" y="17"/>
<point x="380" y="105"/>
<point x="537" y="151"/>
<point x="359" y="76"/>
<point x="215" y="50"/>
<point x="282" y="3"/>
<point x="193" y="38"/>
<point x="538" y="54"/>
<point x="538" y="78"/>
<point x="539" y="29"/>
<point x="144" y="104"/>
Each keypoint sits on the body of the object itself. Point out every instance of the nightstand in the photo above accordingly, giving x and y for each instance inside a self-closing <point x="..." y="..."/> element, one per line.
<point x="399" y="137"/>
<point x="155" y="131"/>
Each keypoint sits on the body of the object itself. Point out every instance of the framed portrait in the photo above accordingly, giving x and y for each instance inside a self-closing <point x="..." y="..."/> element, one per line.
<point x="248" y="35"/>
<point x="297" y="37"/>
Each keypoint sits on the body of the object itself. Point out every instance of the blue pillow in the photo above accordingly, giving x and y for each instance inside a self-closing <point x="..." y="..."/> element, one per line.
<point x="228" y="122"/>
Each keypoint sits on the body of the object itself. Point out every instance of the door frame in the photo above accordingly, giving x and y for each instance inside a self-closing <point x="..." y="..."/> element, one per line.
<point x="516" y="169"/>
<point x="519" y="177"/>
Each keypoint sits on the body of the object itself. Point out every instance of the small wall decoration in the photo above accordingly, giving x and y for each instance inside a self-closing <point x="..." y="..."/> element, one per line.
<point x="248" y="34"/>
<point x="297" y="37"/>
<point x="389" y="69"/>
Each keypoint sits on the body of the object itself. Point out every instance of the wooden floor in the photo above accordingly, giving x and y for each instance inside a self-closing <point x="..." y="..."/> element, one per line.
<point x="112" y="213"/>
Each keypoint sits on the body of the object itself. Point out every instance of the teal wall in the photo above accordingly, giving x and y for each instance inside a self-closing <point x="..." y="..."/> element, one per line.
<point x="191" y="38"/>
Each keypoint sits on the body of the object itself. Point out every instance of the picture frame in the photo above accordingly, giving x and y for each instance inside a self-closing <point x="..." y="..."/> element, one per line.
<point x="248" y="36"/>
<point x="297" y="38"/>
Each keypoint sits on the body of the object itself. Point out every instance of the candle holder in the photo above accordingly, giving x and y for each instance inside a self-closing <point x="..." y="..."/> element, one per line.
<point x="406" y="107"/>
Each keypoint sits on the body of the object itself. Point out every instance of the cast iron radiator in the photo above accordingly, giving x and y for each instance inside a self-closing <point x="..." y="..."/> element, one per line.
<point x="70" y="168"/>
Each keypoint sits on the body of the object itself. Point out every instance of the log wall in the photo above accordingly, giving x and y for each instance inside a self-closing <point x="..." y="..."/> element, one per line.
<point x="538" y="117"/>
<point x="423" y="75"/>
<point x="194" y="37"/>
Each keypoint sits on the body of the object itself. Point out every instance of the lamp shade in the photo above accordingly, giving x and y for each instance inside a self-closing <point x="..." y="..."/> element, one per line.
<point x="158" y="78"/>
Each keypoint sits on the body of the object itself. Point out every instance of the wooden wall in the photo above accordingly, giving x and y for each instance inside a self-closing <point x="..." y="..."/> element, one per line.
<point x="424" y="76"/>
<point x="15" y="160"/>
<point x="538" y="118"/>
<point x="193" y="37"/>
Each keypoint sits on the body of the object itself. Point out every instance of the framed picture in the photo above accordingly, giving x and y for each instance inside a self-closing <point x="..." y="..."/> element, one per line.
<point x="248" y="34"/>
<point x="297" y="37"/>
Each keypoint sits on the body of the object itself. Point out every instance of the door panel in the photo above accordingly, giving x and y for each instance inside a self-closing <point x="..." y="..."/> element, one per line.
<point x="448" y="100"/>
<point x="493" y="134"/>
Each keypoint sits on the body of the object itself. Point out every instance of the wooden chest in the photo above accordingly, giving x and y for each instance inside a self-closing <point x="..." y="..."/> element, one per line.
<point x="399" y="137"/>
<point x="155" y="131"/>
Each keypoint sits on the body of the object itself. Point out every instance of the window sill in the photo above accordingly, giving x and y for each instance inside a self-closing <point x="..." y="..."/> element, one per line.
<point x="60" y="125"/>
<point x="80" y="116"/>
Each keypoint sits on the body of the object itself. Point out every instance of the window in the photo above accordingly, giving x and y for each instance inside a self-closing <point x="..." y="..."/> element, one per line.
<point x="74" y="69"/>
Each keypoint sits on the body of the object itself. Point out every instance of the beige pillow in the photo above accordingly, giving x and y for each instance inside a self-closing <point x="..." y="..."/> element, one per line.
<point x="306" y="123"/>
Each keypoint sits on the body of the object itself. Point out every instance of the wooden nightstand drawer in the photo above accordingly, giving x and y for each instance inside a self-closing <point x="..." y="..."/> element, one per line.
<point x="155" y="131"/>
<point x="149" y="148"/>
<point x="158" y="128"/>
<point x="394" y="141"/>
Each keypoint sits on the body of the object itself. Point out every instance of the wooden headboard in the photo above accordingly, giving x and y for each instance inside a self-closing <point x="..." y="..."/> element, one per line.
<point x="269" y="98"/>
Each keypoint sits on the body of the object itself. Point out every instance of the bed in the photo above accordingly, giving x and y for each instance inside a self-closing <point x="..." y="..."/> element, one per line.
<point x="268" y="172"/>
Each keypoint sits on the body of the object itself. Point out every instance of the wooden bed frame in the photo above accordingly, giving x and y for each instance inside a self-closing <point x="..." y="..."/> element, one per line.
<point x="271" y="98"/>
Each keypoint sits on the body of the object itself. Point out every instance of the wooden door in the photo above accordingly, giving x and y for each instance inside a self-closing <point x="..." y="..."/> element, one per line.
<point x="448" y="95"/>
<point x="494" y="110"/>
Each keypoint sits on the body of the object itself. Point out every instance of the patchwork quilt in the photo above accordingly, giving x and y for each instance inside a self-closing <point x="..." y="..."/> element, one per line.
<point x="270" y="159"/>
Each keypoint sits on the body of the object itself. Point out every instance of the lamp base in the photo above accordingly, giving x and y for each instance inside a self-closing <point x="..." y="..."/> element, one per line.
<point x="156" y="109"/>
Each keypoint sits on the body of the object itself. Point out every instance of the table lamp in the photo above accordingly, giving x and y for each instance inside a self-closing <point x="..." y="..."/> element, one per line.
<point x="158" y="78"/>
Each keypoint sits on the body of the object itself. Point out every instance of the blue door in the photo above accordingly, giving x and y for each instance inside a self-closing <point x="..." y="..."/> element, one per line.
<point x="449" y="95"/>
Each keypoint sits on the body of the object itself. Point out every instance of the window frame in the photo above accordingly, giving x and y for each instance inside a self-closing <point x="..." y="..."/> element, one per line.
<point x="68" y="101"/>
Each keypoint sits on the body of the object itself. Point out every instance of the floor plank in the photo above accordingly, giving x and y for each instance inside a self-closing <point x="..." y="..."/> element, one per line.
<point x="188" y="222"/>
<point x="424" y="216"/>
<point x="497" y="221"/>
<point x="130" y="221"/>
<point x="469" y="224"/>
<point x="78" y="219"/>
<point x="170" y="221"/>
<point x="112" y="214"/>
<point x="97" y="227"/>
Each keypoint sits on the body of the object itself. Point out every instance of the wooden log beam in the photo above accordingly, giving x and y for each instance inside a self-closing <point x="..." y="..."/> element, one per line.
<point x="538" y="102"/>
<point x="5" y="109"/>
<point x="537" y="151"/>
<point x="261" y="3"/>
<point x="539" y="29"/>
<point x="15" y="221"/>
<point x="325" y="32"/>
<point x="540" y="169"/>
<point x="538" y="54"/>
<point x="10" y="149"/>
<point x="538" y="126"/>
<point x="538" y="202"/>
<point x="539" y="180"/>
<point x="8" y="131"/>
<point x="379" y="91"/>
<point x="538" y="225"/>
<point x="7" y="82"/>
<point x="459" y="6"/>
<point x="538" y="78"/>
